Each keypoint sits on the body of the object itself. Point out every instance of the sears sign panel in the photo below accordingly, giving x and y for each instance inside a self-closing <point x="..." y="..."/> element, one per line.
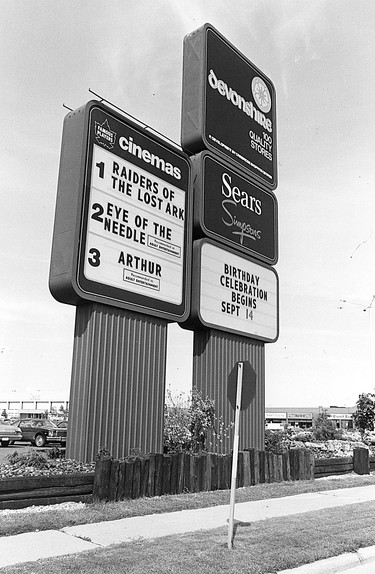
<point x="121" y="230"/>
<point x="229" y="208"/>
<point x="228" y="106"/>
<point x="233" y="293"/>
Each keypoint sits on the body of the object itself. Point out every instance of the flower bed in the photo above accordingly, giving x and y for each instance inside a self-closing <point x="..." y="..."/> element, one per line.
<point x="342" y="446"/>
<point x="330" y="448"/>
<point x="34" y="463"/>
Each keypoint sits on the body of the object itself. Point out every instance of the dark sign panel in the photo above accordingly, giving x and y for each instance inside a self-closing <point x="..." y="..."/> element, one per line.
<point x="249" y="385"/>
<point x="229" y="208"/>
<point x="228" y="106"/>
<point x="122" y="225"/>
<point x="233" y="293"/>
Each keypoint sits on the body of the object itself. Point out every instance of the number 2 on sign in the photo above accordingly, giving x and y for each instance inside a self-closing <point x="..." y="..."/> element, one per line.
<point x="94" y="260"/>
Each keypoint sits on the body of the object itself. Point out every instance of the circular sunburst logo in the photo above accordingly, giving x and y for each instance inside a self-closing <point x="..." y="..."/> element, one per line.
<point x="261" y="94"/>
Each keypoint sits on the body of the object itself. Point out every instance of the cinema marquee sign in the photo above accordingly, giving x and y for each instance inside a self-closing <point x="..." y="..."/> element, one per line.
<point x="233" y="293"/>
<point x="229" y="208"/>
<point x="121" y="232"/>
<point x="228" y="106"/>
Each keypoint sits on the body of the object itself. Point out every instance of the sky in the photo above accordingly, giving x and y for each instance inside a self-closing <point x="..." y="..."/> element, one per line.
<point x="318" y="54"/>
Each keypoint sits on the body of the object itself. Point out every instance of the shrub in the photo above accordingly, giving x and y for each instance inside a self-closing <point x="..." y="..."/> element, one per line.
<point x="202" y="419"/>
<point x="56" y="452"/>
<point x="103" y="454"/>
<point x="177" y="436"/>
<point x="276" y="441"/>
<point x="30" y="458"/>
<point x="303" y="436"/>
<point x="364" y="416"/>
<point x="325" y="429"/>
<point x="189" y="423"/>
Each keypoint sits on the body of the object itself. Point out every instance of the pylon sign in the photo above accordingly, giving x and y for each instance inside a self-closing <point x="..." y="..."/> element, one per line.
<point x="228" y="106"/>
<point x="122" y="225"/>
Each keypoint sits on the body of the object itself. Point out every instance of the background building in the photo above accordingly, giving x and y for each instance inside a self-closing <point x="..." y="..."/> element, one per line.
<point x="31" y="408"/>
<point x="302" y="417"/>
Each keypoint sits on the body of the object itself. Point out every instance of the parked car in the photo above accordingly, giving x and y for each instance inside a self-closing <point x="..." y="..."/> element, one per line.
<point x="9" y="434"/>
<point x="41" y="431"/>
<point x="62" y="424"/>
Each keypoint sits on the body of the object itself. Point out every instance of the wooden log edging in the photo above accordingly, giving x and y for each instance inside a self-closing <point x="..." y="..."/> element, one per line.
<point x="174" y="474"/>
<point x="360" y="463"/>
<point x="152" y="476"/>
<point x="361" y="460"/>
<point x="332" y="466"/>
<point x="42" y="490"/>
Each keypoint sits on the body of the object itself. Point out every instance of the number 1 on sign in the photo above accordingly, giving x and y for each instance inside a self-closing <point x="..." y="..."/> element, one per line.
<point x="101" y="166"/>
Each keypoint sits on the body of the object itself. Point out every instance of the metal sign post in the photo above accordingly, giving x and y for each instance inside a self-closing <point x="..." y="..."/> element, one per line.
<point x="235" y="455"/>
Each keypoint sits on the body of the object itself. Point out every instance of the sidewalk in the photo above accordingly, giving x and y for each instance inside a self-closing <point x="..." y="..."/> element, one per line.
<point x="70" y="540"/>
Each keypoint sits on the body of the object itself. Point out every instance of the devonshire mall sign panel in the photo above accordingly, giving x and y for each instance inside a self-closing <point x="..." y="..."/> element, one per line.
<point x="229" y="106"/>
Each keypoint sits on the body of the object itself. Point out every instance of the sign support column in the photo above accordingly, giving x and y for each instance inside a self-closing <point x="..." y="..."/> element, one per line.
<point x="215" y="354"/>
<point x="118" y="383"/>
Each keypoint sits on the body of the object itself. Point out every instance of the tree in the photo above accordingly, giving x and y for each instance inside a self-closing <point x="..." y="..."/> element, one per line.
<point x="64" y="412"/>
<point x="324" y="428"/>
<point x="364" y="417"/>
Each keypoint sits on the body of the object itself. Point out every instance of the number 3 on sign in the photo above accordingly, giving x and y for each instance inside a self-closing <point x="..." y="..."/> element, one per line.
<point x="94" y="260"/>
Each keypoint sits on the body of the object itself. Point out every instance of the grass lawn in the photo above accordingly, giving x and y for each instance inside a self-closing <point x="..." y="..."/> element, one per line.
<point x="259" y="548"/>
<point x="54" y="519"/>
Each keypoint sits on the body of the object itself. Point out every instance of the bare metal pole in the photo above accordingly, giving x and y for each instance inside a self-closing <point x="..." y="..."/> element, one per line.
<point x="235" y="454"/>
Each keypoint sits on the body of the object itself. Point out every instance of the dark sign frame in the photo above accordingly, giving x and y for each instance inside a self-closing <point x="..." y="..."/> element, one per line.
<point x="228" y="106"/>
<point x="95" y="125"/>
<point x="229" y="208"/>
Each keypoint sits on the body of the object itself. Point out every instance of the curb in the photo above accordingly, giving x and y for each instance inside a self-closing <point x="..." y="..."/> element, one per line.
<point x="336" y="564"/>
